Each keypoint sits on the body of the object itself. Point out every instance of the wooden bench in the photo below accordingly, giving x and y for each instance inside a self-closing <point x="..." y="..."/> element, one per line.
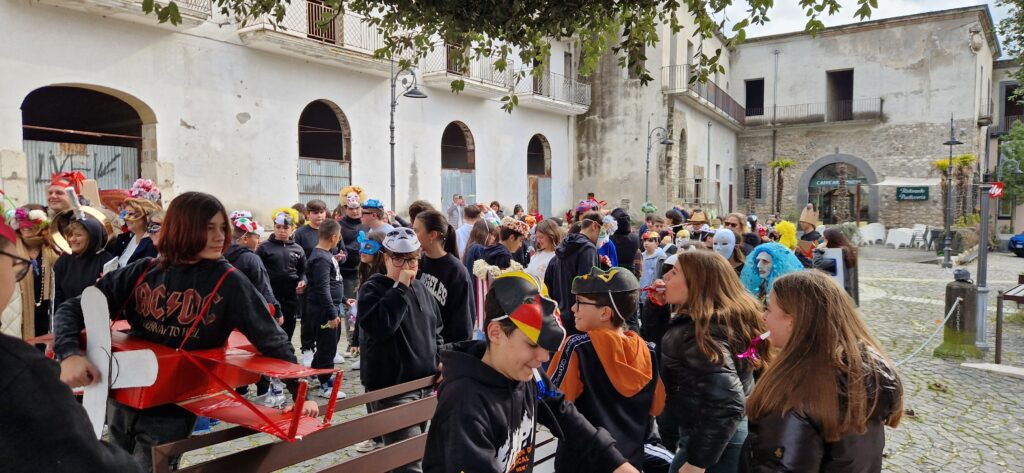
<point x="276" y="455"/>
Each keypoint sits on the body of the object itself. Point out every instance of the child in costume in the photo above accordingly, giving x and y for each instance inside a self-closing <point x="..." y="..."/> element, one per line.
<point x="764" y="265"/>
<point x="608" y="372"/>
<point x="493" y="394"/>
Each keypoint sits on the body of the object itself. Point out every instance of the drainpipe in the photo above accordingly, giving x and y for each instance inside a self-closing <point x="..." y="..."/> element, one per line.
<point x="707" y="170"/>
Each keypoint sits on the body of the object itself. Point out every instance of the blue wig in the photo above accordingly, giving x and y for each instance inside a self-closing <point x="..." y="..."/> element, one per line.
<point x="783" y="262"/>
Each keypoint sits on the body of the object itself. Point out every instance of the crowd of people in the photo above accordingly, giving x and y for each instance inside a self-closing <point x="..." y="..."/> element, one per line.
<point x="690" y="342"/>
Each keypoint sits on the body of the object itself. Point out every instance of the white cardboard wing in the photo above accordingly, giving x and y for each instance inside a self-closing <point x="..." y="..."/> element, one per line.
<point x="837" y="255"/>
<point x="127" y="369"/>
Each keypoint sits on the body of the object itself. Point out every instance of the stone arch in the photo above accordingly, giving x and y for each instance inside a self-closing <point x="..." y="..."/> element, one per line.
<point x="325" y="151"/>
<point x="538" y="156"/>
<point x="458" y="149"/>
<point x="60" y="121"/>
<point x="869" y="174"/>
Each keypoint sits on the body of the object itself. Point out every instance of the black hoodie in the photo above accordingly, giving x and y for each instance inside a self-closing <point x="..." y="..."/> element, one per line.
<point x="286" y="265"/>
<point x="74" y="273"/>
<point x="350" y="228"/>
<point x="399" y="332"/>
<point x="486" y="422"/>
<point x="573" y="257"/>
<point x="626" y="242"/>
<point x="251" y="266"/>
<point x="496" y="255"/>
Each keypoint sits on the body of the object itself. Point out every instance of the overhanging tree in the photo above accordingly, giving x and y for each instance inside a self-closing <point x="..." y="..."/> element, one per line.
<point x="502" y="29"/>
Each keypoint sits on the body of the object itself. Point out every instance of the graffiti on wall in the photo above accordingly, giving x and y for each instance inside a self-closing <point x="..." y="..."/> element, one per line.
<point x="113" y="167"/>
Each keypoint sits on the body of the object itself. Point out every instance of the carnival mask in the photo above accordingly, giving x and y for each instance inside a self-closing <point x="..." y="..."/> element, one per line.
<point x="352" y="200"/>
<point x="603" y="238"/>
<point x="725" y="243"/>
<point x="764" y="264"/>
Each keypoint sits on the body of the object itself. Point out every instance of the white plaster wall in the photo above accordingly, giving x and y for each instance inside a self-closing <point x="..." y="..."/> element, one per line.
<point x="198" y="82"/>
<point x="923" y="71"/>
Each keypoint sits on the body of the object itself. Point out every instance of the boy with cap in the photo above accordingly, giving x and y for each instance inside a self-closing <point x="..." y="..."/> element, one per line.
<point x="399" y="328"/>
<point x="607" y="371"/>
<point x="492" y="392"/>
<point x="373" y="216"/>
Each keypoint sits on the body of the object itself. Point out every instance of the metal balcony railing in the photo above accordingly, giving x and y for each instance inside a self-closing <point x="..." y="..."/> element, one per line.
<point x="198" y="6"/>
<point x="1006" y="122"/>
<point x="307" y="19"/>
<point x="834" y="111"/>
<point x="448" y="58"/>
<point x="676" y="80"/>
<point x="556" y="87"/>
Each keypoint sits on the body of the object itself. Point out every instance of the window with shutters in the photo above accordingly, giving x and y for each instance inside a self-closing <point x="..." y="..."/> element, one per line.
<point x="752" y="183"/>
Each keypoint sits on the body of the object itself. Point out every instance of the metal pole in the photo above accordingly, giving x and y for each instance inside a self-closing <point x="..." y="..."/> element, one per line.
<point x="707" y="170"/>
<point x="982" y="313"/>
<point x="647" y="172"/>
<point x="946" y="263"/>
<point x="394" y="104"/>
<point x="999" y="328"/>
<point x="775" y="89"/>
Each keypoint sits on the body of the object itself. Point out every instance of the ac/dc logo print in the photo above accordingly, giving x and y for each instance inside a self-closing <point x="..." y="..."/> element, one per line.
<point x="156" y="303"/>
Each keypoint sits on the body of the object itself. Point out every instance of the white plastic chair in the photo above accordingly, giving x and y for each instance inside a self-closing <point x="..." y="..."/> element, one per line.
<point x="872" y="233"/>
<point x="920" y="233"/>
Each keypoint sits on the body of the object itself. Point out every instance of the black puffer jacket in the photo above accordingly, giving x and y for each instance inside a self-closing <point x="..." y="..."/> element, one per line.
<point x="286" y="265"/>
<point x="793" y="442"/>
<point x="706" y="399"/>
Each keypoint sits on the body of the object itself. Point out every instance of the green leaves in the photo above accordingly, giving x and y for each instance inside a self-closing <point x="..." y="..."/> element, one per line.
<point x="516" y="34"/>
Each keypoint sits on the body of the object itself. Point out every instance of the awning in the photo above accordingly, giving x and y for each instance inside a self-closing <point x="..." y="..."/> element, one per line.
<point x="909" y="181"/>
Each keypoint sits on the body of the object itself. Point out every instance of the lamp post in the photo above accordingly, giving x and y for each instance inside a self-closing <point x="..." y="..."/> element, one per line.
<point x="982" y="321"/>
<point x="946" y="263"/>
<point x="409" y="89"/>
<point x="662" y="133"/>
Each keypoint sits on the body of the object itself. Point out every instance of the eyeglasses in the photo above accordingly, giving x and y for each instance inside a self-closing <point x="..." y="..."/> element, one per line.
<point x="732" y="225"/>
<point x="405" y="262"/>
<point x="20" y="265"/>
<point x="579" y="303"/>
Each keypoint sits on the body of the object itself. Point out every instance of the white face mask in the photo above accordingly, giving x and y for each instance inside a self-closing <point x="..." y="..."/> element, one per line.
<point x="764" y="264"/>
<point x="725" y="243"/>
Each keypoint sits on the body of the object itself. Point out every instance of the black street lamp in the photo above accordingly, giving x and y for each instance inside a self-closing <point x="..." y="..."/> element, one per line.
<point x="662" y="133"/>
<point x="946" y="263"/>
<point x="409" y="89"/>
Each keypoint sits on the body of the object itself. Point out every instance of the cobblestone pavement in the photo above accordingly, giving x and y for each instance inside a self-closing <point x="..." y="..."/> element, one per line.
<point x="964" y="420"/>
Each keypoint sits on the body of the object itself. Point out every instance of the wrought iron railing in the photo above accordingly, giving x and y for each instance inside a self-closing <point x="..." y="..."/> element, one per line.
<point x="321" y="23"/>
<point x="198" y="6"/>
<point x="556" y="87"/>
<point x="676" y="80"/>
<point x="449" y="58"/>
<point x="834" y="111"/>
<point x="1006" y="122"/>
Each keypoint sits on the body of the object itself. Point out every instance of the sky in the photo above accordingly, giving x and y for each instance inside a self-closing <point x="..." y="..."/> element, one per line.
<point x="786" y="16"/>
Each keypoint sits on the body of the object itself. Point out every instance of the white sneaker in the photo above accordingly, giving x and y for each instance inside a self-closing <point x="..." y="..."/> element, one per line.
<point x="325" y="392"/>
<point x="355" y="364"/>
<point x="307" y="358"/>
<point x="367" y="446"/>
<point x="271" y="399"/>
<point x="338" y="359"/>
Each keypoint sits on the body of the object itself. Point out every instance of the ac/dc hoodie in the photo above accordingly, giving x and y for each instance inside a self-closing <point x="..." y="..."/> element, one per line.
<point x="486" y="422"/>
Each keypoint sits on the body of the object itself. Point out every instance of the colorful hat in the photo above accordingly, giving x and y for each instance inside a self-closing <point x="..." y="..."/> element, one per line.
<point x="30" y="219"/>
<point x="367" y="246"/>
<point x="373" y="204"/>
<point x="144" y="189"/>
<point x="530" y="220"/>
<point x="787" y="234"/>
<point x="523" y="299"/>
<point x="598" y="281"/>
<point x="401" y="240"/>
<point x="809" y="215"/>
<point x="285" y="216"/>
<point x="238" y="214"/>
<point x="352" y="196"/>
<point x="652" y="234"/>
<point x="515" y="225"/>
<point x="684" y="234"/>
<point x="247" y="225"/>
<point x="609" y="224"/>
<point x="73" y="179"/>
<point x="648" y="208"/>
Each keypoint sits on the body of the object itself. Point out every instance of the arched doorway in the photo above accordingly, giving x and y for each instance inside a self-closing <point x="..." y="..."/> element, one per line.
<point x="538" y="175"/>
<point x="101" y="132"/>
<point x="820" y="185"/>
<point x="458" y="163"/>
<point x="325" y="152"/>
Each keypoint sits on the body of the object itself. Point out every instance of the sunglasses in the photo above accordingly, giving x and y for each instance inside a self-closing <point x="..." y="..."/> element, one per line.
<point x="655" y="240"/>
<point x="21" y="265"/>
<point x="732" y="225"/>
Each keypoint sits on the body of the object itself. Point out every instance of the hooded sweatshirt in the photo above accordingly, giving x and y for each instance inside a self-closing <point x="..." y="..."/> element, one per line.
<point x="611" y="378"/>
<point x="573" y="257"/>
<point x="399" y="330"/>
<point x="350" y="228"/>
<point x="73" y="272"/>
<point x="286" y="265"/>
<point x="246" y="261"/>
<point x="496" y="255"/>
<point x="626" y="242"/>
<point x="486" y="422"/>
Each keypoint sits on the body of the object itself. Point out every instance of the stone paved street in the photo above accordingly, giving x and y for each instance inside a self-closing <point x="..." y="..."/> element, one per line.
<point x="965" y="420"/>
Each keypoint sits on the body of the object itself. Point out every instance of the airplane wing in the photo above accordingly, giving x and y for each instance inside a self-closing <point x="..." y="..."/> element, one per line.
<point x="227" y="408"/>
<point x="248" y="361"/>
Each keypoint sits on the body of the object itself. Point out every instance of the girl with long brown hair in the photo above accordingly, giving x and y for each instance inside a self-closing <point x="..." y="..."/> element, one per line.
<point x="834" y="238"/>
<point x="705" y="377"/>
<point x="445" y="276"/>
<point x="823" y="403"/>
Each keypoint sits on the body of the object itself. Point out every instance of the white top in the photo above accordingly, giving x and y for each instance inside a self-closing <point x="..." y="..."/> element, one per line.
<point x="539" y="263"/>
<point x="462" y="237"/>
<point x="122" y="260"/>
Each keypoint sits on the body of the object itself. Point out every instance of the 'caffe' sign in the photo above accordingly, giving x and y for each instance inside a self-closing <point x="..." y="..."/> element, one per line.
<point x="910" y="194"/>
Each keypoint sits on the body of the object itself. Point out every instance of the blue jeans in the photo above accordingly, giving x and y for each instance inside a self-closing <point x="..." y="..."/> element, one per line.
<point x="729" y="462"/>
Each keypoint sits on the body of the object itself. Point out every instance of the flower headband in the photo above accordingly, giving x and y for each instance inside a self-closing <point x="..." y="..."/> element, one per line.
<point x="367" y="246"/>
<point x="33" y="219"/>
<point x="144" y="189"/>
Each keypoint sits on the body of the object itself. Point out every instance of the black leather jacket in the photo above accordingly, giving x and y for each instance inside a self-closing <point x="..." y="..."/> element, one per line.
<point x="706" y="399"/>
<point x="793" y="442"/>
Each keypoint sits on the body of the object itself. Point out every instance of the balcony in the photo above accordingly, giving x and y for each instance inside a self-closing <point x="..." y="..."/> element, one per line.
<point x="554" y="93"/>
<point x="1006" y="123"/>
<point x="193" y="12"/>
<point x="347" y="41"/>
<point x="444" y="65"/>
<point x="985" y="112"/>
<point x="857" y="111"/>
<point x="698" y="192"/>
<point x="675" y="80"/>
